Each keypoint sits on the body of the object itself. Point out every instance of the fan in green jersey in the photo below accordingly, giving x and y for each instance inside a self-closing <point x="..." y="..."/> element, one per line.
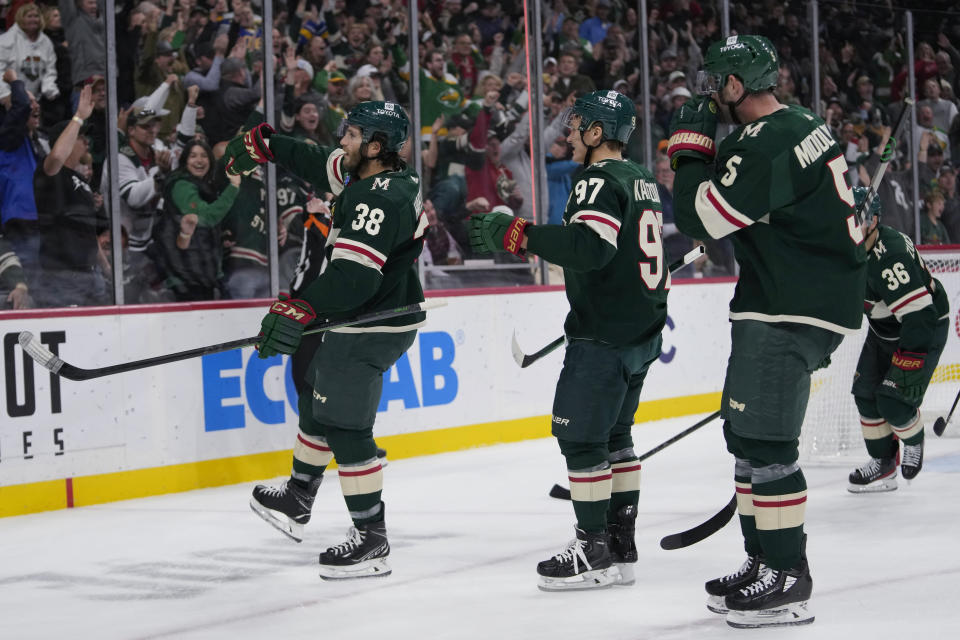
<point x="616" y="283"/>
<point x="909" y="317"/>
<point x="776" y="186"/>
<point x="376" y="236"/>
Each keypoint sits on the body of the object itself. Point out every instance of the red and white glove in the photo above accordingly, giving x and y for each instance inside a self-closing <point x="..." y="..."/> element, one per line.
<point x="255" y="142"/>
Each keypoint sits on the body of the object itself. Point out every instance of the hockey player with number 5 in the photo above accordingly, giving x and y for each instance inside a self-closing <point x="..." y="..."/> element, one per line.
<point x="376" y="237"/>
<point x="777" y="187"/>
<point x="616" y="282"/>
<point x="909" y="317"/>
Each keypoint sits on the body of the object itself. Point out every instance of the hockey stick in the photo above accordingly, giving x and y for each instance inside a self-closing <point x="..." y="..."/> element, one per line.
<point x="941" y="424"/>
<point x="704" y="530"/>
<point x="562" y="493"/>
<point x="525" y="360"/>
<point x="882" y="168"/>
<point x="45" y="358"/>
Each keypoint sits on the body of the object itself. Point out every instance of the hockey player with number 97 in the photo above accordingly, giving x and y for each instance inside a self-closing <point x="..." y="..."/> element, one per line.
<point x="909" y="317"/>
<point x="777" y="187"/>
<point x="616" y="283"/>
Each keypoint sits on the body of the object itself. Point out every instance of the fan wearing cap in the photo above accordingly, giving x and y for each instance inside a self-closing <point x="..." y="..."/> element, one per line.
<point x="616" y="283"/>
<point x="778" y="188"/>
<point x="376" y="237"/>
<point x="141" y="172"/>
<point x="158" y="66"/>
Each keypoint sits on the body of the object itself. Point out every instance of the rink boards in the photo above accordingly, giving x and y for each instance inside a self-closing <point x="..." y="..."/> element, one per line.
<point x="231" y="417"/>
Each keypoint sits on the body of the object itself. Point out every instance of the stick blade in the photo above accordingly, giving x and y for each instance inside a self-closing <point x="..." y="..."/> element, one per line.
<point x="518" y="356"/>
<point x="701" y="531"/>
<point x="560" y="493"/>
<point x="36" y="350"/>
<point x="939" y="426"/>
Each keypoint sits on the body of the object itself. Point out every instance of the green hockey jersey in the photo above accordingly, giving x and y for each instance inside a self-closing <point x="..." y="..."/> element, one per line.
<point x="902" y="301"/>
<point x="611" y="252"/>
<point x="779" y="190"/>
<point x="373" y="247"/>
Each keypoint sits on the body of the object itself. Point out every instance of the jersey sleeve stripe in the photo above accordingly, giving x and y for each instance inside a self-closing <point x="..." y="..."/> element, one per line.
<point x="422" y="225"/>
<point x="605" y="226"/>
<point x="920" y="300"/>
<point x="359" y="253"/>
<point x="718" y="217"/>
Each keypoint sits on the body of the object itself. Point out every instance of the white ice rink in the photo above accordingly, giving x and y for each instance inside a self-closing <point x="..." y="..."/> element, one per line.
<point x="467" y="530"/>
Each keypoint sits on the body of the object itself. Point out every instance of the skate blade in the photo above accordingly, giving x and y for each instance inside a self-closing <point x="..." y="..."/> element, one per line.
<point x="717" y="604"/>
<point x="279" y="521"/>
<point x="878" y="486"/>
<point x="596" y="579"/>
<point x="626" y="576"/>
<point x="376" y="568"/>
<point x="790" y="615"/>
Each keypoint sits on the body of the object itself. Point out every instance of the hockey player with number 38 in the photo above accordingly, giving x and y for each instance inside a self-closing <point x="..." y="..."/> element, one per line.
<point x="616" y="282"/>
<point x="909" y="317"/>
<point x="777" y="188"/>
<point x="376" y="237"/>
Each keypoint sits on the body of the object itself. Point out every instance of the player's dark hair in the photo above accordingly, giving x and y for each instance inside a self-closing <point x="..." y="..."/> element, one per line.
<point x="613" y="145"/>
<point x="386" y="158"/>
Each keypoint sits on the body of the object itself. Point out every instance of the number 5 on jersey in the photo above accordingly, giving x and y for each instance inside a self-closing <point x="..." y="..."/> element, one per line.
<point x="370" y="224"/>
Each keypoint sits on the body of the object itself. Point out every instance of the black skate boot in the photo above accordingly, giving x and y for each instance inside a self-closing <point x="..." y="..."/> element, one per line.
<point x="879" y="474"/>
<point x="362" y="555"/>
<point x="778" y="598"/>
<point x="623" y="547"/>
<point x="586" y="563"/>
<point x="912" y="460"/>
<point x="287" y="507"/>
<point x="719" y="588"/>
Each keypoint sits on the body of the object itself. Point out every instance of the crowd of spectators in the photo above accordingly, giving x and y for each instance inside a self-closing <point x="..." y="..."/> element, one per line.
<point x="191" y="75"/>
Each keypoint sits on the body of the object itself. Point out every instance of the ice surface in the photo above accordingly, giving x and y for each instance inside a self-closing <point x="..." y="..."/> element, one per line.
<point x="467" y="530"/>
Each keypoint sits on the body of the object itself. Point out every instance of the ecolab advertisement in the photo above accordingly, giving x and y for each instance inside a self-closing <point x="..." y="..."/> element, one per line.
<point x="460" y="371"/>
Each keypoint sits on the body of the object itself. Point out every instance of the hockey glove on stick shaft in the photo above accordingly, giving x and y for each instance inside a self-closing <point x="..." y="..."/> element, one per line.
<point x="906" y="376"/>
<point x="283" y="327"/>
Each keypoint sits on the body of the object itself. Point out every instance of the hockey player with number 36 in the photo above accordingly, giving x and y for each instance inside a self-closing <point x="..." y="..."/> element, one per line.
<point x="909" y="316"/>
<point x="616" y="282"/>
<point x="777" y="188"/>
<point x="376" y="237"/>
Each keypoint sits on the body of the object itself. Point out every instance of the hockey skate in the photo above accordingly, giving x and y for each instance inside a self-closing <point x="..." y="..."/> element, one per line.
<point x="879" y="474"/>
<point x="623" y="547"/>
<point x="362" y="555"/>
<point x="287" y="507"/>
<point x="912" y="460"/>
<point x="719" y="588"/>
<point x="778" y="598"/>
<point x="586" y="563"/>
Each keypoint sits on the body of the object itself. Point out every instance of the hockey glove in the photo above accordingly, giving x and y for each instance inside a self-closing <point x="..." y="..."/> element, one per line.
<point x="282" y="328"/>
<point x="491" y="232"/>
<point x="906" y="377"/>
<point x="248" y="150"/>
<point x="692" y="130"/>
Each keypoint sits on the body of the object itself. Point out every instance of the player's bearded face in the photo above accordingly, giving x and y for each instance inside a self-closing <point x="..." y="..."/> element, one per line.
<point x="728" y="96"/>
<point x="350" y="141"/>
